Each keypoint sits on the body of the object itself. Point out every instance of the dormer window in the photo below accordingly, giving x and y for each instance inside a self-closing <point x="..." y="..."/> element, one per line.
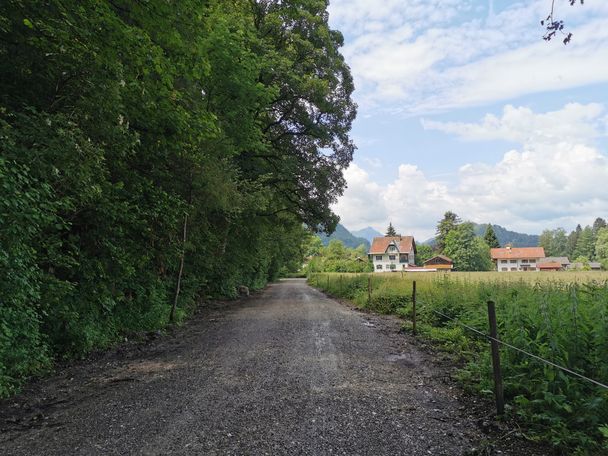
<point x="392" y="248"/>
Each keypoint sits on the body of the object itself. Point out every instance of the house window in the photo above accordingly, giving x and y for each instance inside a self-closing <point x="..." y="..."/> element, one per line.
<point x="524" y="261"/>
<point x="513" y="269"/>
<point x="391" y="257"/>
<point x="378" y="266"/>
<point x="392" y="248"/>
<point x="532" y="261"/>
<point x="505" y="269"/>
<point x="403" y="258"/>
<point x="392" y="266"/>
<point x="513" y="261"/>
<point x="378" y="257"/>
<point x="503" y="261"/>
<point x="532" y="269"/>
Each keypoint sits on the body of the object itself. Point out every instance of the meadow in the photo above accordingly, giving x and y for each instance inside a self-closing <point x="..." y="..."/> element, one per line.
<point x="559" y="316"/>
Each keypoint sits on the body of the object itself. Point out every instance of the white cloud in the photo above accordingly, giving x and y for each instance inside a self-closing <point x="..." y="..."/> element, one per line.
<point x="424" y="56"/>
<point x="556" y="178"/>
<point x="574" y="123"/>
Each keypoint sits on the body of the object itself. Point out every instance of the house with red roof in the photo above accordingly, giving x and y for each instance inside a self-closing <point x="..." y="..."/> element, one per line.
<point x="511" y="259"/>
<point x="393" y="253"/>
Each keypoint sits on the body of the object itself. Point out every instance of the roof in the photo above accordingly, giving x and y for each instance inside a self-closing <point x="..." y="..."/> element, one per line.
<point x="517" y="252"/>
<point x="549" y="265"/>
<point x="560" y="260"/>
<point x="439" y="257"/>
<point x="405" y="244"/>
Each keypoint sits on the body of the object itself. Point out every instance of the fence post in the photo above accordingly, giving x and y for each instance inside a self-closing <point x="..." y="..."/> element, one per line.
<point x="327" y="281"/>
<point x="498" y="389"/>
<point x="369" y="290"/>
<point x="414" y="307"/>
<point x="340" y="289"/>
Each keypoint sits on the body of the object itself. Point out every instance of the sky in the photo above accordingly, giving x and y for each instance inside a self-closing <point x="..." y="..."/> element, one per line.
<point x="464" y="107"/>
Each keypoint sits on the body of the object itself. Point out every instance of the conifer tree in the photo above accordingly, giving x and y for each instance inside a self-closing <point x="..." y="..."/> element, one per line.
<point x="490" y="238"/>
<point x="390" y="231"/>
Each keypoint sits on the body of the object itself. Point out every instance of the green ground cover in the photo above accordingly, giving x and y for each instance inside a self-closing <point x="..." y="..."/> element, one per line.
<point x="562" y="317"/>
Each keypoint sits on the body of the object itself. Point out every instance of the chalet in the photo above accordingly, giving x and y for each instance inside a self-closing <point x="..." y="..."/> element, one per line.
<point x="518" y="258"/>
<point x="392" y="253"/>
<point x="439" y="263"/>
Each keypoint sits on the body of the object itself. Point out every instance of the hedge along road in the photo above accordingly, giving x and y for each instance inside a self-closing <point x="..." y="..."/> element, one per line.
<point x="285" y="372"/>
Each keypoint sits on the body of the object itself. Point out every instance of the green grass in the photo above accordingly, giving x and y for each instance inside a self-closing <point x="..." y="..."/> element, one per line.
<point x="560" y="316"/>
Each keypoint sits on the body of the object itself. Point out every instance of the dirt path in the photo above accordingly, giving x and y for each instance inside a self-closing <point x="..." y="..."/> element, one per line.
<point x="286" y="372"/>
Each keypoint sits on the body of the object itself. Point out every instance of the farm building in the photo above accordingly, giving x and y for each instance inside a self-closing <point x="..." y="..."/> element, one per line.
<point x="592" y="266"/>
<point x="549" y="266"/>
<point x="440" y="263"/>
<point x="511" y="259"/>
<point x="563" y="261"/>
<point x="393" y="253"/>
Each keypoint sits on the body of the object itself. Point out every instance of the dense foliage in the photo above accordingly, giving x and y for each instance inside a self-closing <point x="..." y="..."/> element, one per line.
<point x="336" y="257"/>
<point x="590" y="243"/>
<point x="561" y="317"/>
<point x="155" y="153"/>
<point x="459" y="241"/>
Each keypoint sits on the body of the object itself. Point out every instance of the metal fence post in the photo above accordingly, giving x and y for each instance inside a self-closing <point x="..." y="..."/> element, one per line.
<point x="414" y="307"/>
<point x="498" y="388"/>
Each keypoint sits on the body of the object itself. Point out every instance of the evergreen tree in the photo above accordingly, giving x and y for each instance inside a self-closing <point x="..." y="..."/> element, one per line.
<point x="449" y="222"/>
<point x="585" y="245"/>
<point x="598" y="224"/>
<point x="490" y="238"/>
<point x="573" y="240"/>
<point x="390" y="231"/>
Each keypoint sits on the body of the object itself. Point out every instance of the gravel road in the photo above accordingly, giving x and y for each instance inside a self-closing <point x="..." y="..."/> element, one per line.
<point x="285" y="372"/>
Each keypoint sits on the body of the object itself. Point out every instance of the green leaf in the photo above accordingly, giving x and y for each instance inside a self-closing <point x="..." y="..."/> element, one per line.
<point x="28" y="23"/>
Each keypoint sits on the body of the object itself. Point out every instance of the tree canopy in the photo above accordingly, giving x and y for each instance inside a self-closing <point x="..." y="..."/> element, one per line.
<point x="449" y="222"/>
<point x="157" y="152"/>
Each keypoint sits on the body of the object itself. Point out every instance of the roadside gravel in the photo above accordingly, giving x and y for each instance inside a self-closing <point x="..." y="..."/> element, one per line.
<point x="287" y="371"/>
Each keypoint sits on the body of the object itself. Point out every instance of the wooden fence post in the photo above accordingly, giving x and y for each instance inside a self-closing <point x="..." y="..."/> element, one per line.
<point x="498" y="389"/>
<point x="369" y="290"/>
<point x="327" y="281"/>
<point x="414" y="307"/>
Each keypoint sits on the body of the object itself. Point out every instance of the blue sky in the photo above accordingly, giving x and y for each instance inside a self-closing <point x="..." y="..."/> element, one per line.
<point x="463" y="107"/>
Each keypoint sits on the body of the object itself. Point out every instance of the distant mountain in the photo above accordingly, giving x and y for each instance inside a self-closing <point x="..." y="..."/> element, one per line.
<point x="342" y="234"/>
<point x="504" y="236"/>
<point x="368" y="233"/>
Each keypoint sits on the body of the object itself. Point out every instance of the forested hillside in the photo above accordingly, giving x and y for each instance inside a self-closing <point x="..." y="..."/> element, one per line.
<point x="345" y="236"/>
<point x="504" y="236"/>
<point x="155" y="153"/>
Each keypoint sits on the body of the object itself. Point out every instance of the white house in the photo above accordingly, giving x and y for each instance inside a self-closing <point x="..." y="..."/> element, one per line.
<point x="518" y="258"/>
<point x="392" y="253"/>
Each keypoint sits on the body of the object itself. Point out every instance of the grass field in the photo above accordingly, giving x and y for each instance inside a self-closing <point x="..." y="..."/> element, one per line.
<point x="559" y="316"/>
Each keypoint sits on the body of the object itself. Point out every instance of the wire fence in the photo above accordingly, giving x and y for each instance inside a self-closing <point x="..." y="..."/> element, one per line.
<point x="493" y="338"/>
<point x="517" y="349"/>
